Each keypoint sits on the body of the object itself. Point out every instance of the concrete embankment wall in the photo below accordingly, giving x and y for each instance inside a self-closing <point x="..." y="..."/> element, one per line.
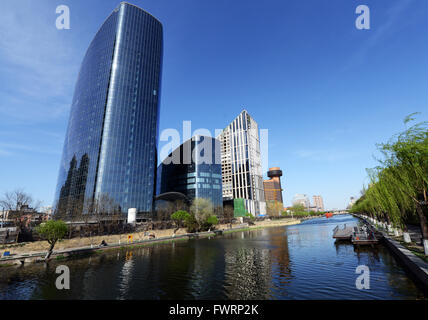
<point x="414" y="264"/>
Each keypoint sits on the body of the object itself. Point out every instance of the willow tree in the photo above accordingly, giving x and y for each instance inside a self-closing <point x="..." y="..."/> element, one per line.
<point x="406" y="159"/>
<point x="400" y="205"/>
<point x="399" y="185"/>
<point x="387" y="196"/>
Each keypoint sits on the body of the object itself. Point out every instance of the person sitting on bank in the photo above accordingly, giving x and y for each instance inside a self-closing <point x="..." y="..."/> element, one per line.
<point x="103" y="244"/>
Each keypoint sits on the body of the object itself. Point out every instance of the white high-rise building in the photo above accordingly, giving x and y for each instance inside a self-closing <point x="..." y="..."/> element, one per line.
<point x="301" y="199"/>
<point x="241" y="163"/>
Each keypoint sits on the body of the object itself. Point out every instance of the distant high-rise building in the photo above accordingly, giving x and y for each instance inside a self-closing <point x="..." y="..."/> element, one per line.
<point x="318" y="203"/>
<point x="273" y="190"/>
<point x="194" y="169"/>
<point x="241" y="163"/>
<point x="301" y="199"/>
<point x="110" y="147"/>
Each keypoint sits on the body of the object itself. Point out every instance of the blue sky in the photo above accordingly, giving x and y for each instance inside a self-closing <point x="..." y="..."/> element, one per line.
<point x="326" y="91"/>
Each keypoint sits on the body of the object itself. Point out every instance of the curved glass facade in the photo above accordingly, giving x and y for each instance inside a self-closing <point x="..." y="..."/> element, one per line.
<point x="110" y="147"/>
<point x="194" y="169"/>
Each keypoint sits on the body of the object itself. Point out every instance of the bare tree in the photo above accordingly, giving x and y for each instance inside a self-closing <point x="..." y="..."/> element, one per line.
<point x="164" y="209"/>
<point x="19" y="204"/>
<point x="228" y="213"/>
<point x="17" y="200"/>
<point x="201" y="209"/>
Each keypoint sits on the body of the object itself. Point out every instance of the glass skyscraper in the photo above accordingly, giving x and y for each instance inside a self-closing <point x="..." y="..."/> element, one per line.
<point x="110" y="147"/>
<point x="194" y="169"/>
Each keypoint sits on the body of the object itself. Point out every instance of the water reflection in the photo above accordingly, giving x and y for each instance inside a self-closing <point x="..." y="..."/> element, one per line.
<point x="296" y="262"/>
<point x="126" y="275"/>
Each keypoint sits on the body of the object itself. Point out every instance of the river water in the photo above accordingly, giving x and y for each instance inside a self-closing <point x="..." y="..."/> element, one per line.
<point x="292" y="262"/>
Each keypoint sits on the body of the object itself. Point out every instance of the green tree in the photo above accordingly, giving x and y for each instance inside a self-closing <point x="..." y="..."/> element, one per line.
<point x="210" y="222"/>
<point x="299" y="210"/>
<point x="406" y="162"/>
<point x="250" y="216"/>
<point x="398" y="186"/>
<point x="180" y="217"/>
<point x="52" y="231"/>
<point x="191" y="224"/>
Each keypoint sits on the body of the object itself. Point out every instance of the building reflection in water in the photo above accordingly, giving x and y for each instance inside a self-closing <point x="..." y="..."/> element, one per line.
<point x="126" y="275"/>
<point x="207" y="274"/>
<point x="280" y="255"/>
<point x="253" y="267"/>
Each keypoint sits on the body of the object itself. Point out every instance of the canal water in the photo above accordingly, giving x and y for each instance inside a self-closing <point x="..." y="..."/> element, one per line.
<point x="292" y="262"/>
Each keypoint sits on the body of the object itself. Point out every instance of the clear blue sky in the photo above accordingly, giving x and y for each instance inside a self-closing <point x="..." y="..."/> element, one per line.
<point x="326" y="91"/>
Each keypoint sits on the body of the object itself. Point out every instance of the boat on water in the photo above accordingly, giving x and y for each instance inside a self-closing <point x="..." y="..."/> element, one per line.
<point x="363" y="236"/>
<point x="344" y="233"/>
<point x="358" y="235"/>
<point x="328" y="214"/>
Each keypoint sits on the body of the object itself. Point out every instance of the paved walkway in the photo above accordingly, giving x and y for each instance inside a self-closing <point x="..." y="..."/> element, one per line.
<point x="415" y="233"/>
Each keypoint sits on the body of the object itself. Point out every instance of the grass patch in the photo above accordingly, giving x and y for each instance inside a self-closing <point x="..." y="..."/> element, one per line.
<point x="416" y="251"/>
<point x="5" y="265"/>
<point x="237" y="230"/>
<point x="250" y="228"/>
<point x="15" y="245"/>
<point x="420" y="255"/>
<point x="256" y="227"/>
